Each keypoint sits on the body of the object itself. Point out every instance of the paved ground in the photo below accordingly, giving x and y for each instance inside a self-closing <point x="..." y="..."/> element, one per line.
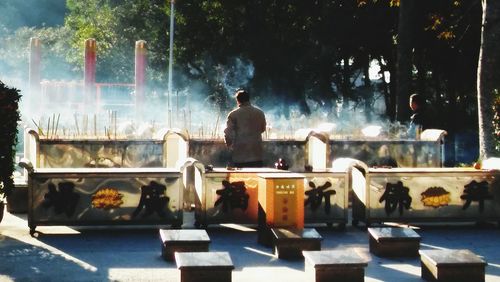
<point x="69" y="254"/>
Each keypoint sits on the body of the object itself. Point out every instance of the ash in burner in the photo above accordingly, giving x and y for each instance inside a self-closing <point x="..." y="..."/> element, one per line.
<point x="101" y="162"/>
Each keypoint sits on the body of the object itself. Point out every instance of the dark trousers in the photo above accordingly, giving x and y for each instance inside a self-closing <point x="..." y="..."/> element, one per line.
<point x="250" y="164"/>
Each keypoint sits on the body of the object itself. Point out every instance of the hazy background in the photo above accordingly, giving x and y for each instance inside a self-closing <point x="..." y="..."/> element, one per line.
<point x="304" y="63"/>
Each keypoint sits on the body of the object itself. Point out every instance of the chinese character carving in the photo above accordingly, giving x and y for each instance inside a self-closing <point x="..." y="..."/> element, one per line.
<point x="316" y="195"/>
<point x="63" y="200"/>
<point x="396" y="195"/>
<point x="153" y="199"/>
<point x="232" y="196"/>
<point x="476" y="192"/>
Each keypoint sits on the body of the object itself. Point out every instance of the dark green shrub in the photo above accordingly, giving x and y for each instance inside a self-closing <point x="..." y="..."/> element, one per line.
<point x="9" y="117"/>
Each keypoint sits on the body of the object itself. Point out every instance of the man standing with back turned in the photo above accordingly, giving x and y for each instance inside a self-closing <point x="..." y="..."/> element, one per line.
<point x="243" y="133"/>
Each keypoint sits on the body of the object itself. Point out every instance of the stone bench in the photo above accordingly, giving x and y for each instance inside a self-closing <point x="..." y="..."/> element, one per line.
<point x="204" y="266"/>
<point x="182" y="240"/>
<point x="290" y="242"/>
<point x="452" y="265"/>
<point x="345" y="265"/>
<point x="394" y="242"/>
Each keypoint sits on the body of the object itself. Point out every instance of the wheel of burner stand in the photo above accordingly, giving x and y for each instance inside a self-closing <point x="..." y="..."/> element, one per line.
<point x="34" y="233"/>
<point x="329" y="225"/>
<point x="341" y="226"/>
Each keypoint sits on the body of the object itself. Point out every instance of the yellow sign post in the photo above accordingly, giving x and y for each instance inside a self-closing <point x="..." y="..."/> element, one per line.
<point x="281" y="203"/>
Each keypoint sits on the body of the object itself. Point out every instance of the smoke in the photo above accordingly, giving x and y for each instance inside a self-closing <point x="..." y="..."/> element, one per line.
<point x="32" y="13"/>
<point x="348" y="118"/>
<point x="61" y="111"/>
<point x="61" y="108"/>
<point x="21" y="20"/>
<point x="237" y="74"/>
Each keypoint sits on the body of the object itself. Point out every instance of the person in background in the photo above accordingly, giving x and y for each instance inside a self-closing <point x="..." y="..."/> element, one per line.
<point x="419" y="120"/>
<point x="243" y="132"/>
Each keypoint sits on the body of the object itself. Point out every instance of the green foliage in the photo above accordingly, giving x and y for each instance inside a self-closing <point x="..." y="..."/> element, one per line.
<point x="299" y="49"/>
<point x="14" y="52"/>
<point x="496" y="119"/>
<point x="116" y="26"/>
<point x="314" y="49"/>
<point x="91" y="19"/>
<point x="9" y="100"/>
<point x="144" y="20"/>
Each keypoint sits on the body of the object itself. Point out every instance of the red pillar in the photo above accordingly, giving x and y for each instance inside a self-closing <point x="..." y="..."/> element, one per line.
<point x="140" y="75"/>
<point x="34" y="73"/>
<point x="89" y="73"/>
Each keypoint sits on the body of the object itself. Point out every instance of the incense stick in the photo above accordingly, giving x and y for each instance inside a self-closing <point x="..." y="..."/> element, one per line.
<point x="76" y="123"/>
<point x="48" y="128"/>
<point x="114" y="121"/>
<point x="53" y="123"/>
<point x="57" y="124"/>
<point x="216" y="125"/>
<point x="40" y="131"/>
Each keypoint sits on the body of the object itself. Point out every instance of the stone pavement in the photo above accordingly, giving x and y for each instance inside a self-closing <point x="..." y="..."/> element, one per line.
<point x="134" y="254"/>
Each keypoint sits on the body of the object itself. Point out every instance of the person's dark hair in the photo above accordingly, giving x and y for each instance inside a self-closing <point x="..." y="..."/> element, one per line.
<point x="242" y="96"/>
<point x="418" y="99"/>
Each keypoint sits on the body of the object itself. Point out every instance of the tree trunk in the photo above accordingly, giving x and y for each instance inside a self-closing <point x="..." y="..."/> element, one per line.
<point x="421" y="72"/>
<point x="346" y="81"/>
<point x="367" y="87"/>
<point x="488" y="75"/>
<point x="2" y="207"/>
<point x="404" y="58"/>
<point x="391" y="110"/>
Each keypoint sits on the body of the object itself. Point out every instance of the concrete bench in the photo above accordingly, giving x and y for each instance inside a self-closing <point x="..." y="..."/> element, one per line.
<point x="451" y="265"/>
<point x="394" y="242"/>
<point x="185" y="240"/>
<point x="204" y="266"/>
<point x="290" y="242"/>
<point x="345" y="265"/>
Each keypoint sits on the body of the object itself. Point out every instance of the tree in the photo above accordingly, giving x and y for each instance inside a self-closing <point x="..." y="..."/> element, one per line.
<point x="56" y="47"/>
<point x="496" y="120"/>
<point x="93" y="19"/>
<point x="116" y="26"/>
<point x="488" y="76"/>
<point x="9" y="107"/>
<point x="404" y="57"/>
<point x="296" y="51"/>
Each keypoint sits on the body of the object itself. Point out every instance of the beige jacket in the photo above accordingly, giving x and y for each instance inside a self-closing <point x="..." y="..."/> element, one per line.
<point x="243" y="133"/>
